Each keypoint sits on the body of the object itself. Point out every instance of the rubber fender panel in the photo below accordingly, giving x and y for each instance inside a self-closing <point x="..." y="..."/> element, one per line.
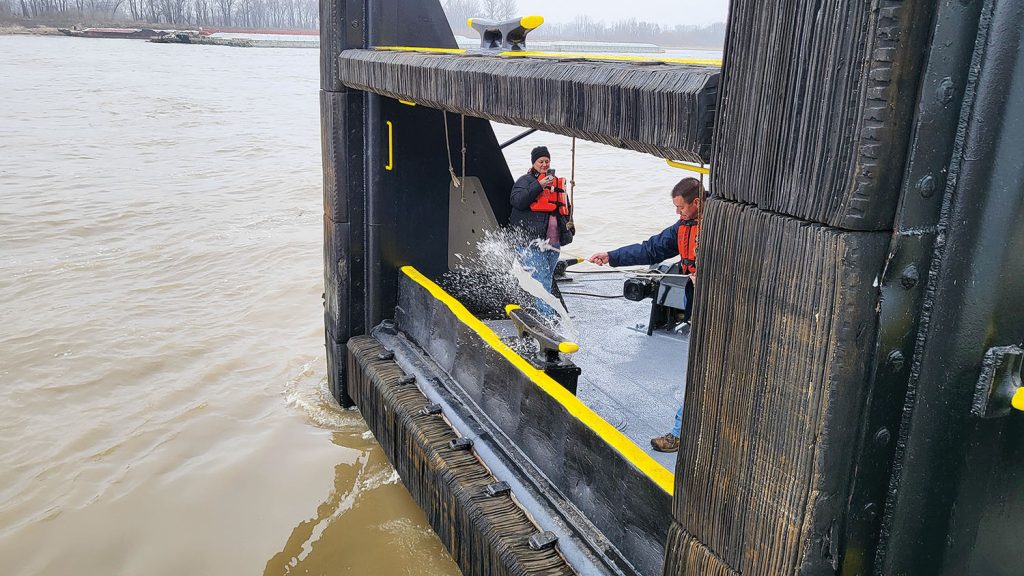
<point x="815" y="109"/>
<point x="620" y="500"/>
<point x="337" y="281"/>
<point x="485" y="534"/>
<point x="664" y="109"/>
<point x="779" y="361"/>
<point x="685" y="556"/>
<point x="342" y="25"/>
<point x="341" y="140"/>
<point x="336" y="368"/>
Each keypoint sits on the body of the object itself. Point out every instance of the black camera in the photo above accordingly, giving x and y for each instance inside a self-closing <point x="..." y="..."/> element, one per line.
<point x="670" y="291"/>
<point x="636" y="289"/>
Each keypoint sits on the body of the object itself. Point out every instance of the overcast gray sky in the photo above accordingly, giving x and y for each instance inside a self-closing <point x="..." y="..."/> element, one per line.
<point x="660" y="11"/>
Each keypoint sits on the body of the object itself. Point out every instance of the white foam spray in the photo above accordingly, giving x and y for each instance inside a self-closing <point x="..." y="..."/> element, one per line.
<point x="494" y="275"/>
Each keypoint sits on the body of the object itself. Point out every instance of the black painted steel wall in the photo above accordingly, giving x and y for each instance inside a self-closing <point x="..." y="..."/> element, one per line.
<point x="377" y="219"/>
<point x="342" y="25"/>
<point x="956" y="502"/>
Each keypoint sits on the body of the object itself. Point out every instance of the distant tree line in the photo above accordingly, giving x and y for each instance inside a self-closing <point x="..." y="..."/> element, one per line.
<point x="587" y="29"/>
<point x="458" y="11"/>
<point x="295" y="14"/>
<point x="632" y="30"/>
<point x="305" y="14"/>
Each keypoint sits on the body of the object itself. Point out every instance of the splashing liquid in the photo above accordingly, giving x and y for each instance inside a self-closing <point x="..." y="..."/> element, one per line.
<point x="494" y="276"/>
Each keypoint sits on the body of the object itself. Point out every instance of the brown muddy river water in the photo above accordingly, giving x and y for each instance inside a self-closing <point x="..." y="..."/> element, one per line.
<point x="162" y="377"/>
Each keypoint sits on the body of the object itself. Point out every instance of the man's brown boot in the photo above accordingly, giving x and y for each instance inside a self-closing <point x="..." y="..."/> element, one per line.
<point x="666" y="443"/>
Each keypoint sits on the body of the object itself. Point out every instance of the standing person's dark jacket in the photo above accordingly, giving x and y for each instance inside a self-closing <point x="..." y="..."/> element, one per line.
<point x="657" y="248"/>
<point x="535" y="224"/>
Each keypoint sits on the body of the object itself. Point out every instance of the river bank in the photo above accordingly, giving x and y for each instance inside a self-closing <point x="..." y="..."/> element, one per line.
<point x="18" y="30"/>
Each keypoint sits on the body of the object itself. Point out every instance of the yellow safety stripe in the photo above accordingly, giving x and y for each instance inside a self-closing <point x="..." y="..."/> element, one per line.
<point x="561" y="55"/>
<point x="617" y="440"/>
<point x="698" y="168"/>
<point x="531" y="22"/>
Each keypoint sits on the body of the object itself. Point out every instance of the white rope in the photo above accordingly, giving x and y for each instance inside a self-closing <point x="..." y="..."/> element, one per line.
<point x="462" y="186"/>
<point x="448" y="146"/>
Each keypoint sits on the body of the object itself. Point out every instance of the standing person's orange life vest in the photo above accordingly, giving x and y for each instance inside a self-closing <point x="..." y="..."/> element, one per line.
<point x="686" y="240"/>
<point x="552" y="198"/>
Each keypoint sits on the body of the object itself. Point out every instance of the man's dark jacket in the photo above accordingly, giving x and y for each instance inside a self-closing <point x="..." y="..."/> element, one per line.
<point x="661" y="246"/>
<point x="535" y="224"/>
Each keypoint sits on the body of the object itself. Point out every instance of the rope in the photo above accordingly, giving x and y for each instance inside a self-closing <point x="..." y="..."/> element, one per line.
<point x="571" y="225"/>
<point x="448" y="146"/>
<point x="463" y="128"/>
<point x="609" y="297"/>
<point x="640" y="273"/>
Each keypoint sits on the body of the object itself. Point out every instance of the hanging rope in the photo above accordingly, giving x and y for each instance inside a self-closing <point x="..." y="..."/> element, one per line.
<point x="448" y="146"/>
<point x="703" y="198"/>
<point x="571" y="224"/>
<point x="462" y="186"/>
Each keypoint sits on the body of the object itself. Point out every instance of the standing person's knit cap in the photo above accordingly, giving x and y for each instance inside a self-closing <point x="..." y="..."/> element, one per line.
<point x="539" y="152"/>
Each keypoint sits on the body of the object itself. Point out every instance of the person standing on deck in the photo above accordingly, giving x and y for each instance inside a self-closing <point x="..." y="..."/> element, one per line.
<point x="540" y="208"/>
<point x="679" y="239"/>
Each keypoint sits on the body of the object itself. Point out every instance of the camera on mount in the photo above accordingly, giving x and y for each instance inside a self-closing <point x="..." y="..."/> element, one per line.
<point x="670" y="291"/>
<point x="637" y="289"/>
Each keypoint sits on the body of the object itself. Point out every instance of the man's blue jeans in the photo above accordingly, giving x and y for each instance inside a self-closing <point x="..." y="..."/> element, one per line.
<point x="678" y="428"/>
<point x="541" y="266"/>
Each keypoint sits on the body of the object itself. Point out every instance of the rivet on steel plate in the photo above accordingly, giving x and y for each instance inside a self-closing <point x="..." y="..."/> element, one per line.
<point x="896" y="360"/>
<point x="926" y="186"/>
<point x="498" y="488"/>
<point x="405" y="380"/>
<point x="910" y="277"/>
<point x="945" y="90"/>
<point x="882" y="437"/>
<point x="543" y="540"/>
<point x="461" y="444"/>
<point x="430" y="410"/>
<point x="388" y="327"/>
<point x="386" y="355"/>
<point x="870" y="510"/>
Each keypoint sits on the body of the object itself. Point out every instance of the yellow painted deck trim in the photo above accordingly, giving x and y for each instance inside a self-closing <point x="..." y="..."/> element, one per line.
<point x="617" y="440"/>
<point x="531" y="22"/>
<point x="561" y="55"/>
<point x="689" y="166"/>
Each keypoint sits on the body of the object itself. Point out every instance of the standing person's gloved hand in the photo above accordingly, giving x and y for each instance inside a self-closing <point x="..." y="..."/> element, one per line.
<point x="601" y="258"/>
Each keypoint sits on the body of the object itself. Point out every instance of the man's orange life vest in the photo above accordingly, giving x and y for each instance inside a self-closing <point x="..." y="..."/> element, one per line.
<point x="686" y="240"/>
<point x="552" y="198"/>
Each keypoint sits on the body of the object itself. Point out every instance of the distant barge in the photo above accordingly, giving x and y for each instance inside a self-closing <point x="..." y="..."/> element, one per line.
<point x="127" y="33"/>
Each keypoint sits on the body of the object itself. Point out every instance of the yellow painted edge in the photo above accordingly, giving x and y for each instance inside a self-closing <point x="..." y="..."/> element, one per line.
<point x="595" y="56"/>
<point x="510" y="307"/>
<point x="689" y="166"/>
<point x="617" y="440"/>
<point x="420" y="49"/>
<point x="531" y="22"/>
<point x="391" y="148"/>
<point x="615" y="57"/>
<point x="1018" y="399"/>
